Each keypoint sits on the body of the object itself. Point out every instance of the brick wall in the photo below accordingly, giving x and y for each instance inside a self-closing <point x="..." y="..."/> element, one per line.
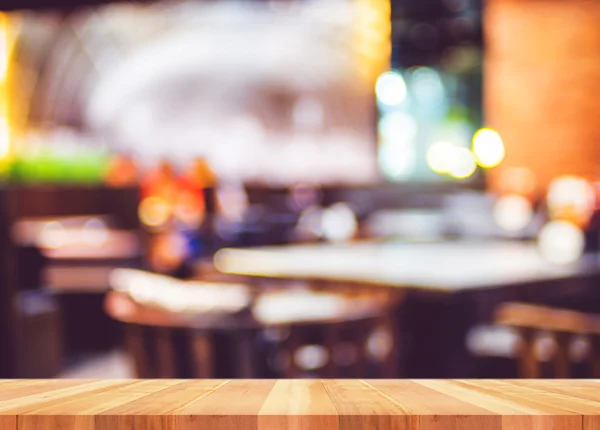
<point x="542" y="85"/>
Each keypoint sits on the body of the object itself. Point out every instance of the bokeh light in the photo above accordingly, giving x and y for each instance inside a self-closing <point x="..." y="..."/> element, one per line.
<point x="571" y="198"/>
<point x="391" y="89"/>
<point x="154" y="211"/>
<point x="397" y="126"/>
<point x="513" y="213"/>
<point x="488" y="147"/>
<point x="462" y="163"/>
<point x="95" y="232"/>
<point x="339" y="223"/>
<point x="561" y="242"/>
<point x="397" y="159"/>
<point x="439" y="156"/>
<point x="53" y="235"/>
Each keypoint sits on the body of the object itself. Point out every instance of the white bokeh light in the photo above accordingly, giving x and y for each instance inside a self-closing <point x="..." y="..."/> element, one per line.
<point x="339" y="223"/>
<point x="391" y="89"/>
<point x="462" y="163"/>
<point x="488" y="147"/>
<point x="513" y="213"/>
<point x="561" y="242"/>
<point x="439" y="156"/>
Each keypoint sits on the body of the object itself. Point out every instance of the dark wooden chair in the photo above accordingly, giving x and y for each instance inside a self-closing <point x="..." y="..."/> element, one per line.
<point x="573" y="337"/>
<point x="355" y="340"/>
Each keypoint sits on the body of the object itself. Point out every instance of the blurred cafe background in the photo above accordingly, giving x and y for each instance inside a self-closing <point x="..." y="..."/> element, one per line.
<point x="300" y="188"/>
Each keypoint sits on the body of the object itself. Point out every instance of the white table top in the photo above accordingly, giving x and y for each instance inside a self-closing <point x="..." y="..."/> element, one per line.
<point x="444" y="266"/>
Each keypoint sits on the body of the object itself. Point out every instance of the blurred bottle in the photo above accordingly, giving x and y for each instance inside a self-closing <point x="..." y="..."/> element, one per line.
<point x="122" y="171"/>
<point x="199" y="174"/>
<point x="161" y="182"/>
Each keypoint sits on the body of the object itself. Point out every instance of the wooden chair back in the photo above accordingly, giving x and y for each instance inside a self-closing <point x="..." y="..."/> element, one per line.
<point x="566" y="330"/>
<point x="167" y="344"/>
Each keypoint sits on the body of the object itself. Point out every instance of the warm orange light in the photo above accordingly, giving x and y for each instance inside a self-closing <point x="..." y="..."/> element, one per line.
<point x="6" y="108"/>
<point x="571" y="198"/>
<point x="4" y="47"/>
<point x="372" y="42"/>
<point x="154" y="211"/>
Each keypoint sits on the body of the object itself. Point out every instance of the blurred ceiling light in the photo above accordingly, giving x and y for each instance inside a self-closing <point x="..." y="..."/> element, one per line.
<point x="462" y="163"/>
<point x="391" y="89"/>
<point x="439" y="157"/>
<point x="571" y="198"/>
<point x="154" y="211"/>
<point x="339" y="223"/>
<point x="4" y="137"/>
<point x="488" y="147"/>
<point x="561" y="242"/>
<point x="513" y="213"/>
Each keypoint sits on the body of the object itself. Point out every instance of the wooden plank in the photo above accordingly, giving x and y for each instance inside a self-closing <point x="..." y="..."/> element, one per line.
<point x="156" y="411"/>
<point x="437" y="410"/>
<point x="9" y="409"/>
<point x="79" y="413"/>
<point x="518" y="414"/>
<point x="298" y="405"/>
<point x="588" y="408"/>
<point x="362" y="407"/>
<point x="584" y="389"/>
<point x="30" y="402"/>
<point x="234" y="406"/>
<point x="35" y="387"/>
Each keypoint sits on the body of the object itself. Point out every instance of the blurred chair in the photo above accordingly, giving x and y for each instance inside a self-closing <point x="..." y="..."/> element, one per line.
<point x="330" y="333"/>
<point x="290" y="334"/>
<point x="565" y="337"/>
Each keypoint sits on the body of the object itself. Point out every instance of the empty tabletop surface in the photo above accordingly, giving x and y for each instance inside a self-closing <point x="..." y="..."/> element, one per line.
<point x="299" y="404"/>
<point x="444" y="266"/>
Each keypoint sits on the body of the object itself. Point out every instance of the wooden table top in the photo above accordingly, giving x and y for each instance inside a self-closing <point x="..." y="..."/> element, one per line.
<point x="299" y="404"/>
<point x="441" y="266"/>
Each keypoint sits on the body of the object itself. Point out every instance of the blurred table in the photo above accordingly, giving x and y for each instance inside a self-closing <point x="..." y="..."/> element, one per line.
<point x="442" y="266"/>
<point x="450" y="287"/>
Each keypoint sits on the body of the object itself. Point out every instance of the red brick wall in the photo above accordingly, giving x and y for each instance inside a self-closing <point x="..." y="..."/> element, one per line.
<point x="542" y="85"/>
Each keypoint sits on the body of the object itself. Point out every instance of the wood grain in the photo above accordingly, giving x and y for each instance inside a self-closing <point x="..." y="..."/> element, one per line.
<point x="300" y="405"/>
<point x="362" y="407"/>
<point x="79" y="413"/>
<point x="437" y="410"/>
<point x="234" y="406"/>
<point x="157" y="410"/>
